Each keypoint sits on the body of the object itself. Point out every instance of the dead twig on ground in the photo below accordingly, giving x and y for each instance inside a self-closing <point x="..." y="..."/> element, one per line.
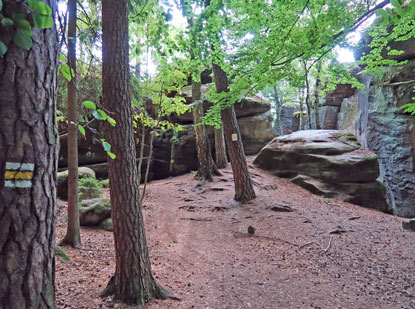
<point x="196" y="219"/>
<point x="329" y="245"/>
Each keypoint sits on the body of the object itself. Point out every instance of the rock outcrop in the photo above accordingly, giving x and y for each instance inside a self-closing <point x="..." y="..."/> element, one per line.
<point x="248" y="106"/>
<point x="333" y="105"/>
<point x="383" y="128"/>
<point x="93" y="212"/>
<point x="177" y="155"/>
<point x="330" y="163"/>
<point x="62" y="180"/>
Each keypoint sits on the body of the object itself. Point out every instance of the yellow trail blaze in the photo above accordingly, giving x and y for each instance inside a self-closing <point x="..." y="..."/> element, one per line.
<point x="18" y="175"/>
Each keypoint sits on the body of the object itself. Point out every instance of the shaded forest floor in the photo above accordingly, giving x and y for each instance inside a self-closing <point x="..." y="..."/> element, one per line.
<point x="323" y="254"/>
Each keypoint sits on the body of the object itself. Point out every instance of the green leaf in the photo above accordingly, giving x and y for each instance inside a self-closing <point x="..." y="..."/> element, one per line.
<point x="42" y="8"/>
<point x="111" y="121"/>
<point x="81" y="129"/>
<point x="96" y="115"/>
<point x="3" y="48"/>
<point x="62" y="57"/>
<point x="1" y="5"/>
<point x="89" y="104"/>
<point x="22" y="40"/>
<point x="111" y="155"/>
<point x="103" y="114"/>
<point x="381" y="12"/>
<point x="42" y="21"/>
<point x="7" y="22"/>
<point x="66" y="71"/>
<point x="25" y="26"/>
<point x="32" y="4"/>
<point x="106" y="145"/>
<point x="395" y="3"/>
<point x="99" y="114"/>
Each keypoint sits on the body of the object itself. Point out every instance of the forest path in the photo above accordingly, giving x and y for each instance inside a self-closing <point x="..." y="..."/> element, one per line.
<point x="323" y="254"/>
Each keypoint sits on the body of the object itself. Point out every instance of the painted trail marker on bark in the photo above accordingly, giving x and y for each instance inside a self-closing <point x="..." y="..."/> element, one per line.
<point x="18" y="175"/>
<point x="234" y="137"/>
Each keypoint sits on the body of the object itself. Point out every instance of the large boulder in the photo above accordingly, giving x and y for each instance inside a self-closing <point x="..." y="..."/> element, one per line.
<point x="107" y="225"/>
<point x="383" y="128"/>
<point x="93" y="212"/>
<point x="101" y="169"/>
<point x="369" y="194"/>
<point x="326" y="162"/>
<point x="256" y="131"/>
<point x="178" y="155"/>
<point x="333" y="101"/>
<point x="62" y="180"/>
<point x="287" y="114"/>
<point x="347" y="115"/>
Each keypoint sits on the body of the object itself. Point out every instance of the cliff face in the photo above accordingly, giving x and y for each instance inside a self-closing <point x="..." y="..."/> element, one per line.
<point x="383" y="128"/>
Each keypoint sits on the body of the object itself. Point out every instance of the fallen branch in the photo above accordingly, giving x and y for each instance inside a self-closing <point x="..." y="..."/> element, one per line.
<point x="197" y="219"/>
<point x="305" y="245"/>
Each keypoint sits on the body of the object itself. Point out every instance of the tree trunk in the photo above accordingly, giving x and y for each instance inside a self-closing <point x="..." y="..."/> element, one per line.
<point x="207" y="167"/>
<point x="28" y="166"/>
<point x="307" y="101"/>
<point x="133" y="281"/>
<point x="73" y="236"/>
<point x="220" y="149"/>
<point x="301" y="119"/>
<point x="244" y="190"/>
<point x="316" y="98"/>
<point x="277" y="122"/>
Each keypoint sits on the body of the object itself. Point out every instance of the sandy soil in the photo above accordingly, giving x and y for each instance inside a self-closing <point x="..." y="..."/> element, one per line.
<point x="323" y="254"/>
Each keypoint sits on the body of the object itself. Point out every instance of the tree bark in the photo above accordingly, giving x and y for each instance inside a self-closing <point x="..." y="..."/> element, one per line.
<point x="133" y="281"/>
<point x="277" y="122"/>
<point x="244" y="190"/>
<point x="220" y="149"/>
<point x="301" y="100"/>
<point x="73" y="235"/>
<point x="28" y="166"/>
<point x="307" y="101"/>
<point x="316" y="97"/>
<point x="207" y="167"/>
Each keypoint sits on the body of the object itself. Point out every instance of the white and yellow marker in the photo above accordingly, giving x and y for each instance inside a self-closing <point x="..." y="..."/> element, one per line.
<point x="18" y="175"/>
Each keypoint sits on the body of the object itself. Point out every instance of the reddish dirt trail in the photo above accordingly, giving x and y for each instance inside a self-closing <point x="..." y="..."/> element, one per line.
<point x="312" y="257"/>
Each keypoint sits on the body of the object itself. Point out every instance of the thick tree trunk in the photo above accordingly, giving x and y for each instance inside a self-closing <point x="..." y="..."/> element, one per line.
<point x="28" y="165"/>
<point x="244" y="190"/>
<point x="207" y="167"/>
<point x="73" y="236"/>
<point x="220" y="149"/>
<point x="133" y="282"/>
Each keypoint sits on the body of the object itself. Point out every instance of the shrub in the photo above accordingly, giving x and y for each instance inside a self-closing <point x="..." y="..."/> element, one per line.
<point x="89" y="188"/>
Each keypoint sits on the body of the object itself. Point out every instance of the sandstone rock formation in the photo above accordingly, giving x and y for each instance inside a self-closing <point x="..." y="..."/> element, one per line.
<point x="175" y="156"/>
<point x="93" y="212"/>
<point x="383" y="128"/>
<point x="333" y="103"/>
<point x="62" y="180"/>
<point x="330" y="163"/>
